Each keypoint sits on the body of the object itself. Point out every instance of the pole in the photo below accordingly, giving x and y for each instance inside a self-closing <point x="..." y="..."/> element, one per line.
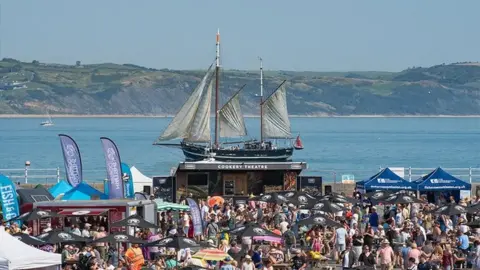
<point x="58" y="174"/>
<point x="261" y="99"/>
<point x="217" y="82"/>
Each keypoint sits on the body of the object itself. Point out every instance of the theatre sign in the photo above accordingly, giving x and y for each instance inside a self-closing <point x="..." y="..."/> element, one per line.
<point x="245" y="166"/>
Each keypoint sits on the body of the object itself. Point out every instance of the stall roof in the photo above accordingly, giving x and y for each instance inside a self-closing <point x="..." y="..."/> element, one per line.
<point x="94" y="203"/>
<point x="386" y="179"/>
<point x="83" y="212"/>
<point x="241" y="166"/>
<point x="33" y="195"/>
<point x="441" y="180"/>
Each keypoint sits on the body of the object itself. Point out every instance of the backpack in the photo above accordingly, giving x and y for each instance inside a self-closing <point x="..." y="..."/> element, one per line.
<point x="289" y="237"/>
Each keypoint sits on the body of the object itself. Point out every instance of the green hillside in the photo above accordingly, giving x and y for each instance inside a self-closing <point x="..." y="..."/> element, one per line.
<point x="33" y="88"/>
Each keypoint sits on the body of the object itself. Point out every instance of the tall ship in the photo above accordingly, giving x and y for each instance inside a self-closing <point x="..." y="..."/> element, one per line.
<point x="192" y="123"/>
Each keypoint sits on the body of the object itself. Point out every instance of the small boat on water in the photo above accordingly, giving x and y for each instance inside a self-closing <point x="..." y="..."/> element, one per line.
<point x="298" y="145"/>
<point x="48" y="122"/>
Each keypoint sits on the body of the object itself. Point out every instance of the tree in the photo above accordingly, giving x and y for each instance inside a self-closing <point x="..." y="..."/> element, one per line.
<point x="78" y="63"/>
<point x="35" y="62"/>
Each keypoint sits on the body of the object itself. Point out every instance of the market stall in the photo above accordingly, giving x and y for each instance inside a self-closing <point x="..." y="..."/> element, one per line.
<point x="440" y="183"/>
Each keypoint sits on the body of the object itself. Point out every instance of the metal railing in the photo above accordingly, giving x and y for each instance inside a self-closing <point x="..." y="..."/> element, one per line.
<point x="52" y="175"/>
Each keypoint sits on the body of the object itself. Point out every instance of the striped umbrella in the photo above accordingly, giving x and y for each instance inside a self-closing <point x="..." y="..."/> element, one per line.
<point x="211" y="254"/>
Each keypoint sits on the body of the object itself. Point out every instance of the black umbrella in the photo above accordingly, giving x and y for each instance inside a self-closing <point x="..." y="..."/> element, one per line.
<point x="134" y="221"/>
<point x="298" y="197"/>
<point x="338" y="198"/>
<point x="475" y="223"/>
<point x="400" y="198"/>
<point x="450" y="210"/>
<point x="326" y="206"/>
<point x="252" y="230"/>
<point x="119" y="237"/>
<point x="378" y="195"/>
<point x="270" y="198"/>
<point x="319" y="220"/>
<point x="58" y="236"/>
<point x="175" y="242"/>
<point x="29" y="240"/>
<point x="35" y="214"/>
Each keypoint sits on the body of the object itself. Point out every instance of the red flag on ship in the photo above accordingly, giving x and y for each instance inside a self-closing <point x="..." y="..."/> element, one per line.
<point x="298" y="145"/>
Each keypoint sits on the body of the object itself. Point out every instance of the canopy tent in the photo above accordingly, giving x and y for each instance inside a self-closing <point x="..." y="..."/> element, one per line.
<point x="22" y="256"/>
<point x="31" y="195"/>
<point x="84" y="192"/>
<point x="441" y="180"/>
<point x="163" y="206"/>
<point x="386" y="179"/>
<point x="139" y="180"/>
<point x="3" y="264"/>
<point x="60" y="188"/>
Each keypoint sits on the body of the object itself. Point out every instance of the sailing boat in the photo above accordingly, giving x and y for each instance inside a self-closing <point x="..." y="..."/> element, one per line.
<point x="298" y="145"/>
<point x="48" y="122"/>
<point x="192" y="123"/>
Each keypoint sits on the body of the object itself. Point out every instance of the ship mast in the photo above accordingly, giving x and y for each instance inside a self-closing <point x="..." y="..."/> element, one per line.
<point x="217" y="81"/>
<point x="261" y="99"/>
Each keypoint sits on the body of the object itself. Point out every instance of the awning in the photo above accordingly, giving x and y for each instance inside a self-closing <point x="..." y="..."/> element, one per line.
<point x="83" y="212"/>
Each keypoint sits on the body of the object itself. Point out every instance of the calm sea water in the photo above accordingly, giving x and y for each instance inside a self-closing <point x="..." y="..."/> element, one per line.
<point x="357" y="146"/>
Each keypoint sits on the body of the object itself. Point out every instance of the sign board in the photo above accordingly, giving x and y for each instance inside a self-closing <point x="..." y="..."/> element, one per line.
<point x="163" y="188"/>
<point x="348" y="178"/>
<point x="244" y="166"/>
<point x="400" y="171"/>
<point x="309" y="183"/>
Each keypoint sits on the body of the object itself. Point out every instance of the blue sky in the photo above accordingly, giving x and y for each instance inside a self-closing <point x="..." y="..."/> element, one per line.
<point x="289" y="35"/>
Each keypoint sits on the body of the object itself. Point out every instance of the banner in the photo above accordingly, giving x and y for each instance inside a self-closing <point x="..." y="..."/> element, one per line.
<point x="8" y="198"/>
<point x="114" y="169"/>
<point x="72" y="160"/>
<point x="129" y="192"/>
<point x="196" y="217"/>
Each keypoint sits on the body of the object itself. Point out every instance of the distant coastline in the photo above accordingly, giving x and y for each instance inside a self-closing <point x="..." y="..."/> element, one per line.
<point x="247" y="116"/>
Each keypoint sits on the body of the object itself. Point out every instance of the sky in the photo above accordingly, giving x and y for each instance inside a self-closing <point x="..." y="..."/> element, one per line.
<point x="307" y="35"/>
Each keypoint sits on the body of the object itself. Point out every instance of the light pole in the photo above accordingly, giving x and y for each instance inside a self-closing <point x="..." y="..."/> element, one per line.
<point x="27" y="165"/>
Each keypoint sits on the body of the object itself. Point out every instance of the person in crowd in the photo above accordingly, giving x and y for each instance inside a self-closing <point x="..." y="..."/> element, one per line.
<point x="134" y="257"/>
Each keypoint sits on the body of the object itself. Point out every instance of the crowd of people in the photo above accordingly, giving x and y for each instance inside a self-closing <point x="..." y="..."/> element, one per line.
<point x="364" y="234"/>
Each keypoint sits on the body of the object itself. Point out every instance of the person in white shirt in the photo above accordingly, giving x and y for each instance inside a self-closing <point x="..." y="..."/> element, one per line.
<point x="283" y="225"/>
<point x="86" y="230"/>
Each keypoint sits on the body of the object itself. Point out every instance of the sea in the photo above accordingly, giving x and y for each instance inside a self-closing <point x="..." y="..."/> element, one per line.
<point x="335" y="148"/>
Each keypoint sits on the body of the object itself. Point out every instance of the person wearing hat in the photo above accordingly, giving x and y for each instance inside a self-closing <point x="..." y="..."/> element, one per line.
<point x="227" y="264"/>
<point x="385" y="255"/>
<point x="298" y="260"/>
<point x="248" y="263"/>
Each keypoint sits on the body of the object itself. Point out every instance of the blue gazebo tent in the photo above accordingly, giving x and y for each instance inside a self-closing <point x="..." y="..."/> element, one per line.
<point x="386" y="179"/>
<point x="441" y="182"/>
<point x="84" y="192"/>
<point x="60" y="188"/>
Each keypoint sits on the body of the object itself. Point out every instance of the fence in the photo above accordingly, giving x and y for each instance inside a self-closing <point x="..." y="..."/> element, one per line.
<point x="52" y="175"/>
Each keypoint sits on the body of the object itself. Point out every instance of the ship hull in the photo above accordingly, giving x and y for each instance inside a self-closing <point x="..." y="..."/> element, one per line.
<point x="194" y="152"/>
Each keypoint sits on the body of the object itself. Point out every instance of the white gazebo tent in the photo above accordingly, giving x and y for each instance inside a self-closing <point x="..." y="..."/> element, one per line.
<point x="3" y="264"/>
<point x="22" y="256"/>
<point x="140" y="180"/>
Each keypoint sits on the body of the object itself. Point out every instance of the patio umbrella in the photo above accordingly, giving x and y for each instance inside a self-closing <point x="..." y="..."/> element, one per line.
<point x="134" y="221"/>
<point x="319" y="220"/>
<point x="29" y="240"/>
<point x="251" y="230"/>
<point x="175" y="242"/>
<point x="475" y="223"/>
<point x="450" y="210"/>
<point x="58" y="236"/>
<point x="378" y="195"/>
<point x="337" y="198"/>
<point x="119" y="237"/>
<point x="400" y="198"/>
<point x="215" y="200"/>
<point x="35" y="214"/>
<point x="270" y="198"/>
<point x="326" y="206"/>
<point x="298" y="197"/>
<point x="211" y="254"/>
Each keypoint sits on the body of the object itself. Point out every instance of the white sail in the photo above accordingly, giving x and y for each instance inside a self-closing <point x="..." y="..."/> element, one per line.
<point x="200" y="127"/>
<point x="276" y="124"/>
<point x="180" y="126"/>
<point x="231" y="119"/>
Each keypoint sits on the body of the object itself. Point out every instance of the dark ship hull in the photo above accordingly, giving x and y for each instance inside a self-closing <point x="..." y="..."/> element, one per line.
<point x="196" y="152"/>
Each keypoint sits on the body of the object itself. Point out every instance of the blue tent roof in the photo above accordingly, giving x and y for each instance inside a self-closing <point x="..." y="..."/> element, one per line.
<point x="386" y="180"/>
<point x="59" y="188"/>
<point x="84" y="192"/>
<point x="441" y="180"/>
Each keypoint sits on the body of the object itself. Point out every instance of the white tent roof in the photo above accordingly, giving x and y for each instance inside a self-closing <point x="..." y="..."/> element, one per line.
<point x="23" y="256"/>
<point x="3" y="264"/>
<point x="139" y="177"/>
